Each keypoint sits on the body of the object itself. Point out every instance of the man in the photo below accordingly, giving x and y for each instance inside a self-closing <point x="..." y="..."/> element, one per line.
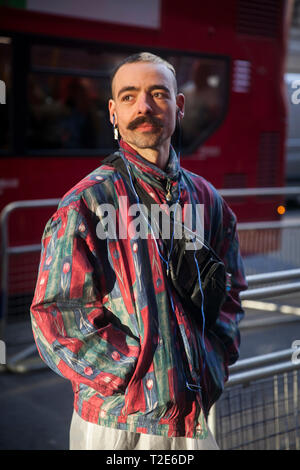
<point x="144" y="369"/>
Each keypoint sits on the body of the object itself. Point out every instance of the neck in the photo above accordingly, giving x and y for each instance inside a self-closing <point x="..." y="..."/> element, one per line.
<point x="157" y="156"/>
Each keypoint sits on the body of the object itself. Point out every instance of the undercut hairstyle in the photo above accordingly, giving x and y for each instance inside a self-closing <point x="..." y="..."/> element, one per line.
<point x="143" y="57"/>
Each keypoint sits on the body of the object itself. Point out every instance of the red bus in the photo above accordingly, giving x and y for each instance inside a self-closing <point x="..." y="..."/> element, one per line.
<point x="55" y="62"/>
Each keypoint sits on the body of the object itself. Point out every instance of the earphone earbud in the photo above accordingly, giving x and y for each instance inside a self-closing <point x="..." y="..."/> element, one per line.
<point x="116" y="133"/>
<point x="179" y="113"/>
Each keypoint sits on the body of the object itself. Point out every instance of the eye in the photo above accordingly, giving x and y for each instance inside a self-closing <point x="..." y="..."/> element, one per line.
<point x="158" y="94"/>
<point x="127" y="98"/>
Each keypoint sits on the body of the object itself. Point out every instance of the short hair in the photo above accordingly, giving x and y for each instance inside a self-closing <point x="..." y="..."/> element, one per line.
<point x="143" y="57"/>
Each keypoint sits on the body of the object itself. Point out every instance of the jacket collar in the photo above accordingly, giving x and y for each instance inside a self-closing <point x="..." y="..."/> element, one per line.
<point x="172" y="170"/>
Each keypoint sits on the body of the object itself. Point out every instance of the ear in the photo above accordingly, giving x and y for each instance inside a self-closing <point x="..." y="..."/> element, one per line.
<point x="180" y="99"/>
<point x="112" y="111"/>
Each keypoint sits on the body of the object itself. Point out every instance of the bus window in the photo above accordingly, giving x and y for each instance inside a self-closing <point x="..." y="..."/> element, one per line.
<point x="68" y="93"/>
<point x="203" y="82"/>
<point x="5" y="92"/>
<point x="68" y="112"/>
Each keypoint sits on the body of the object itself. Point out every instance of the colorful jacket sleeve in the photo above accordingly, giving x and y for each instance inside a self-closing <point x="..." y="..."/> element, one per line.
<point x="223" y="339"/>
<point x="74" y="333"/>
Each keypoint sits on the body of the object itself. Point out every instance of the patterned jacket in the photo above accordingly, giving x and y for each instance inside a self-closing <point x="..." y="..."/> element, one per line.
<point x="105" y="317"/>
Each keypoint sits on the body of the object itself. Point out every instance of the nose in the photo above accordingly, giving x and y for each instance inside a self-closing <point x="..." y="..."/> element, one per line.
<point x="144" y="104"/>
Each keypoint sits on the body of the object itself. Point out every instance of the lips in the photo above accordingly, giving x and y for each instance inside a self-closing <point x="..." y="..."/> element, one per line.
<point x="146" y="127"/>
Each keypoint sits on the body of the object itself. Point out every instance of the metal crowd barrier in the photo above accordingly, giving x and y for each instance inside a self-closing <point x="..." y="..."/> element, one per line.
<point x="16" y="361"/>
<point x="238" y="192"/>
<point x="248" y="416"/>
<point x="268" y="246"/>
<point x="260" y="406"/>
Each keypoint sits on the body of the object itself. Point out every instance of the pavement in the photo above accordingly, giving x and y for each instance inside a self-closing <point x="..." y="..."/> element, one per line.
<point x="37" y="405"/>
<point x="36" y="409"/>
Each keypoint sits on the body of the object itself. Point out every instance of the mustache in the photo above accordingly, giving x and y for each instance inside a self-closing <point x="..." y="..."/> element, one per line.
<point x="154" y="121"/>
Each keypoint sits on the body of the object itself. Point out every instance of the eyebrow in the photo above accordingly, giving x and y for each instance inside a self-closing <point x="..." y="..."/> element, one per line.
<point x="151" y="88"/>
<point x="127" y="88"/>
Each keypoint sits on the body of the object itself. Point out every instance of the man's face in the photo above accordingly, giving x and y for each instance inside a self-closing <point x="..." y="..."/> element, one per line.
<point x="145" y="104"/>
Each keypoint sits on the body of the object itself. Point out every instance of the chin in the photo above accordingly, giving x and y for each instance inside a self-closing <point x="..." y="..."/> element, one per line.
<point x="146" y="142"/>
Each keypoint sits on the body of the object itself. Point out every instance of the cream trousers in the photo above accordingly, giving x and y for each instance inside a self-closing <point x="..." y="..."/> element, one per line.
<point x="90" y="436"/>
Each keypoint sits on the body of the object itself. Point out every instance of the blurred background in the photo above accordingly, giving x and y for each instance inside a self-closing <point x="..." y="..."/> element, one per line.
<point x="238" y="64"/>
